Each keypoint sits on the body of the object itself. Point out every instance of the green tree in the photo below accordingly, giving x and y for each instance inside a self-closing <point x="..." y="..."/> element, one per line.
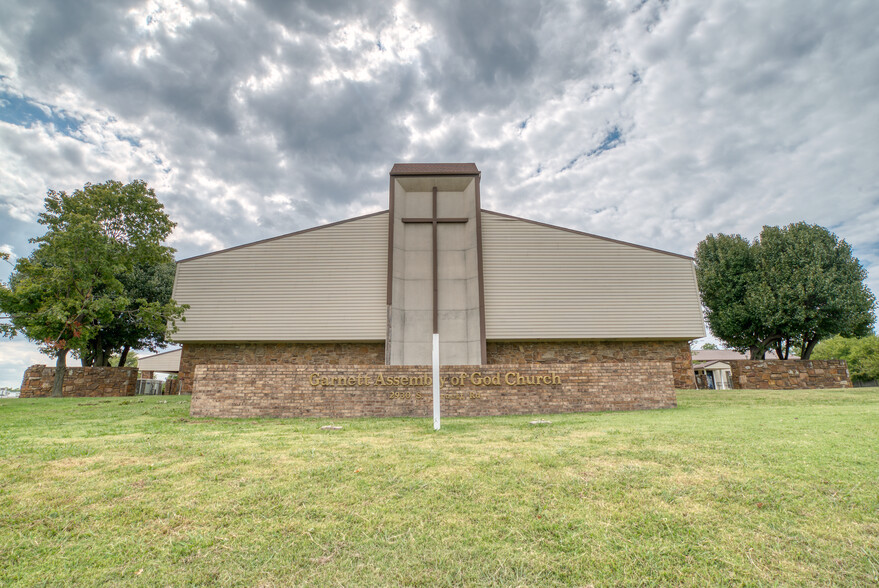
<point x="788" y="289"/>
<point x="142" y="323"/>
<point x="710" y="346"/>
<point x="130" y="361"/>
<point x="728" y="275"/>
<point x="69" y="287"/>
<point x="861" y="354"/>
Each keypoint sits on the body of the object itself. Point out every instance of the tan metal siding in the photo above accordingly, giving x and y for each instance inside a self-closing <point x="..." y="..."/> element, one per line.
<point x="325" y="284"/>
<point x="162" y="362"/>
<point x="548" y="283"/>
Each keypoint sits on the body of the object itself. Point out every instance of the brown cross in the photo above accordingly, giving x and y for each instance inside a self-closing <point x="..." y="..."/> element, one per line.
<point x="434" y="220"/>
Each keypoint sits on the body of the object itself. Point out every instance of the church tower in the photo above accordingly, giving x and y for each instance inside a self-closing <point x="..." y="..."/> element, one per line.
<point x="435" y="277"/>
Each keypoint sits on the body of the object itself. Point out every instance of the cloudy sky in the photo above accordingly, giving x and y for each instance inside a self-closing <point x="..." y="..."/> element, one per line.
<point x="652" y="121"/>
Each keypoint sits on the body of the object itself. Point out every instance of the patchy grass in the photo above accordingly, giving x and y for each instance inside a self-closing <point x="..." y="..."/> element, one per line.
<point x="735" y="487"/>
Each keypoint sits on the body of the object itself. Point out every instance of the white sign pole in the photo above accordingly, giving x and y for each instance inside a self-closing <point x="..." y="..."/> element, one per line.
<point x="436" y="383"/>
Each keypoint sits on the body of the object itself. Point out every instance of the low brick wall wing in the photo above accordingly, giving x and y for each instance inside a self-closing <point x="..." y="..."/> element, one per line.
<point x="79" y="381"/>
<point x="313" y="353"/>
<point x="789" y="374"/>
<point x="337" y="391"/>
<point x="587" y="351"/>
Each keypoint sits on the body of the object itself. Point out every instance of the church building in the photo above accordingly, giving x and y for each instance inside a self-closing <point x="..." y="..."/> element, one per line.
<point x="499" y="290"/>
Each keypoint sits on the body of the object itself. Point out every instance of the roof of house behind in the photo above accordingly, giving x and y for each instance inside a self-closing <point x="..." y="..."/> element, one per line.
<point x="717" y="355"/>
<point x="169" y="361"/>
<point x="727" y="355"/>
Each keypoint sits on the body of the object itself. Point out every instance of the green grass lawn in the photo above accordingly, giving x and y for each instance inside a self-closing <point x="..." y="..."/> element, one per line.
<point x="735" y="487"/>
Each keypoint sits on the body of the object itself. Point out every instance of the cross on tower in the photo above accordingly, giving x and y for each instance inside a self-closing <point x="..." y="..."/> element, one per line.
<point x="434" y="220"/>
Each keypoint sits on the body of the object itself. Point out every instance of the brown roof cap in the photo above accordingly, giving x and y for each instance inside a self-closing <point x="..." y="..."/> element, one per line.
<point x="434" y="169"/>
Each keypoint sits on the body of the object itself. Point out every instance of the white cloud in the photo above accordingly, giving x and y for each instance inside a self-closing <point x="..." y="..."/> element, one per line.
<point x="17" y="356"/>
<point x="653" y="122"/>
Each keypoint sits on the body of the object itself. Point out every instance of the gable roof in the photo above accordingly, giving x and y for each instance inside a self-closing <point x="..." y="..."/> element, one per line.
<point x="717" y="355"/>
<point x="728" y="355"/>
<point x="284" y="236"/>
<point x="585" y="234"/>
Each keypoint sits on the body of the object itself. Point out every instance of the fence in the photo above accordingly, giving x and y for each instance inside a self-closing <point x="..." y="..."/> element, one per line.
<point x="865" y="383"/>
<point x="157" y="387"/>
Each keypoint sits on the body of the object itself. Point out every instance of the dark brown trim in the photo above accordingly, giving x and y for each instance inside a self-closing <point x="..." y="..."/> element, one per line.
<point x="347" y="220"/>
<point x="434" y="169"/>
<point x="595" y="340"/>
<point x="390" y="241"/>
<point x="460" y="219"/>
<point x="421" y="175"/>
<point x="273" y="342"/>
<point x="576" y="232"/>
<point x="480" y="274"/>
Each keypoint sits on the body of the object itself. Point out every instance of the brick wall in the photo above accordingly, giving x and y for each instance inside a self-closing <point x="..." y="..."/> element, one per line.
<point x="789" y="374"/>
<point x="79" y="381"/>
<point x="276" y="353"/>
<point x="336" y="391"/>
<point x="523" y="352"/>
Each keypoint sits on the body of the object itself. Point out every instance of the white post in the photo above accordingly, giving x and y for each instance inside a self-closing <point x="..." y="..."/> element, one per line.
<point x="436" y="383"/>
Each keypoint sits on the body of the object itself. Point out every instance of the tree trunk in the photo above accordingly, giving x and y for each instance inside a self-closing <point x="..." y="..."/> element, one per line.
<point x="60" y="372"/>
<point x="100" y="356"/>
<point x="88" y="357"/>
<point x="758" y="350"/>
<point x="779" y="350"/>
<point x="808" y="347"/>
<point x="782" y="349"/>
<point x="124" y="355"/>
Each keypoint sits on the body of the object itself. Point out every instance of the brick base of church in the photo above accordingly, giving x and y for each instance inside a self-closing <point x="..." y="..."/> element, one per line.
<point x="195" y="354"/>
<point x="341" y="391"/>
<point x="351" y="380"/>
<point x="677" y="353"/>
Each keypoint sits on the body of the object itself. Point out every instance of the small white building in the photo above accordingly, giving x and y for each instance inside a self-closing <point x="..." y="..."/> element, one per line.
<point x="712" y="367"/>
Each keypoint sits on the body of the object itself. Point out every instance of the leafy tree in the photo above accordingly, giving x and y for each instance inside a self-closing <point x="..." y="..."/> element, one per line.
<point x="861" y="354"/>
<point x="142" y="323"/>
<point x="710" y="346"/>
<point x="69" y="288"/>
<point x="728" y="276"/>
<point x="130" y="361"/>
<point x="789" y="288"/>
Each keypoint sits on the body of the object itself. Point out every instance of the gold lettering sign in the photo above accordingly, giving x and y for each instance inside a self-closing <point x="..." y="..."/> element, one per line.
<point x="478" y="379"/>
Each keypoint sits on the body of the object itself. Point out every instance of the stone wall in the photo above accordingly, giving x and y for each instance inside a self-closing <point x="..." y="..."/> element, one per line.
<point x="79" y="381"/>
<point x="337" y="391"/>
<point x="195" y="354"/>
<point x="549" y="352"/>
<point x="789" y="374"/>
